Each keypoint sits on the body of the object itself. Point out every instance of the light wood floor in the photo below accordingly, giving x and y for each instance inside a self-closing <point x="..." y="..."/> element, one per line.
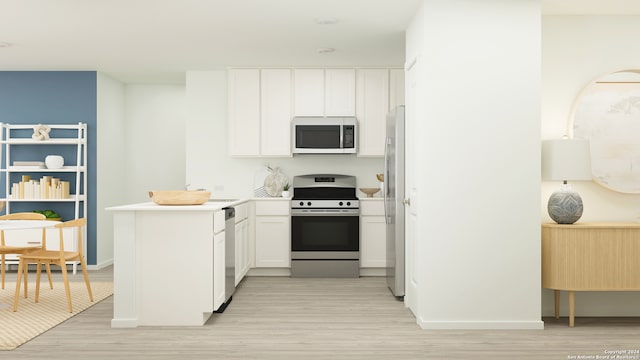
<point x="284" y="318"/>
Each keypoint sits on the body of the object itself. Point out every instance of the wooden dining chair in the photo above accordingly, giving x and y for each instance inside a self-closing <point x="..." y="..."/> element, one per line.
<point x="8" y="249"/>
<point x="58" y="257"/>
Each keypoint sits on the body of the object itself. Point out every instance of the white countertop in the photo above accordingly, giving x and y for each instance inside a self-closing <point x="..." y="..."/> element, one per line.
<point x="211" y="205"/>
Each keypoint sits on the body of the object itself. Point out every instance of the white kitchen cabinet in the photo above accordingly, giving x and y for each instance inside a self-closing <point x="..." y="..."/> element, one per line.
<point x="242" y="263"/>
<point x="372" y="106"/>
<point x="218" y="258"/>
<point x="340" y="92"/>
<point x="218" y="270"/>
<point x="324" y="92"/>
<point x="272" y="234"/>
<point x="275" y="111"/>
<point x="396" y="88"/>
<point x="244" y="112"/>
<point x="372" y="234"/>
<point x="260" y="112"/>
<point x="308" y="92"/>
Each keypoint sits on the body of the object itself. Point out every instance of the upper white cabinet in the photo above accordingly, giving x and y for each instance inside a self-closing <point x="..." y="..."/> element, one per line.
<point x="262" y="103"/>
<point x="324" y="92"/>
<point x="259" y="112"/>
<point x="244" y="112"/>
<point x="275" y="111"/>
<point x="372" y="107"/>
<point x="396" y="88"/>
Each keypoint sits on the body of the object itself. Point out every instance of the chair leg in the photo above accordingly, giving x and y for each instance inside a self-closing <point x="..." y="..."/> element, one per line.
<point x="2" y="271"/>
<point x="38" y="270"/>
<point x="17" y="294"/>
<point x="65" y="277"/>
<point x="48" y="266"/>
<point x="86" y="277"/>
<point x="25" y="270"/>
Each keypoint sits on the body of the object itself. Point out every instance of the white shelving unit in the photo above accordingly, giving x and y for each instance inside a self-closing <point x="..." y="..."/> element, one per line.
<point x="16" y="138"/>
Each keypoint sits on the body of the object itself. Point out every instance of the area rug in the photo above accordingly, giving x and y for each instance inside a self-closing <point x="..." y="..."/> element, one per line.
<point x="32" y="319"/>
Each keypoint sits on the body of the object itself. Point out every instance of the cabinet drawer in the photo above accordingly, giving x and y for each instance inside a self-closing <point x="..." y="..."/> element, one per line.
<point x="273" y="207"/>
<point x="372" y="207"/>
<point x="241" y="212"/>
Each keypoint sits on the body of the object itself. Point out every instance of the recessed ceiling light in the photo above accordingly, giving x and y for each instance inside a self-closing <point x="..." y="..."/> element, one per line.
<point x="326" y="21"/>
<point x="325" y="50"/>
<point x="4" y="44"/>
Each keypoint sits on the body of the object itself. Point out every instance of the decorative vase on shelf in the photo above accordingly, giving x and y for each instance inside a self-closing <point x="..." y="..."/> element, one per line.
<point x="285" y="193"/>
<point x="54" y="161"/>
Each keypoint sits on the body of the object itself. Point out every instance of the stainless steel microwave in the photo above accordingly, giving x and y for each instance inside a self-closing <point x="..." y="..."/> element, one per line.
<point x="324" y="135"/>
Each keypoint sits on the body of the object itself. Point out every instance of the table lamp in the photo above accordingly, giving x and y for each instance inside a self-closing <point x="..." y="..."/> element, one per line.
<point x="565" y="159"/>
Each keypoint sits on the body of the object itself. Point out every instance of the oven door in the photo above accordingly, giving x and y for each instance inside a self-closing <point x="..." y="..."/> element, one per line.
<point x="327" y="233"/>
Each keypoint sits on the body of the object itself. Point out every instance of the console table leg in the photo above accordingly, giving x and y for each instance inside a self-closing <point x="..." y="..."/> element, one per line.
<point x="556" y="299"/>
<point x="572" y="303"/>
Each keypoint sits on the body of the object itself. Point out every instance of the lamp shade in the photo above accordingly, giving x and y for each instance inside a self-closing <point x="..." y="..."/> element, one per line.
<point x="566" y="159"/>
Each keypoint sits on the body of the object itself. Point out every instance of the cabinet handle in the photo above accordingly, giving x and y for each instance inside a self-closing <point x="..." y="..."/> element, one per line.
<point x="34" y="242"/>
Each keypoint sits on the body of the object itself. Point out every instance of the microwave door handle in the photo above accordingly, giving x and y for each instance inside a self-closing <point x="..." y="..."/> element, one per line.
<point x="341" y="137"/>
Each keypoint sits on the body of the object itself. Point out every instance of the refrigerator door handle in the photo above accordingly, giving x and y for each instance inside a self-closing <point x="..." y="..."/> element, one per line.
<point x="386" y="179"/>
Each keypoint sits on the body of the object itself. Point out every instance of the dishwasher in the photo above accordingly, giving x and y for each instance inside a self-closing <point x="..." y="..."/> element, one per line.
<point x="229" y="256"/>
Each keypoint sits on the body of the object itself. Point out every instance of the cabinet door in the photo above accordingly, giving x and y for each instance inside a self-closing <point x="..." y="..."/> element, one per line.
<point x="372" y="108"/>
<point x="218" y="270"/>
<point x="275" y="123"/>
<point x="244" y="112"/>
<point x="373" y="242"/>
<point x="340" y="92"/>
<point x="272" y="241"/>
<point x="308" y="92"/>
<point x="242" y="250"/>
<point x="396" y="88"/>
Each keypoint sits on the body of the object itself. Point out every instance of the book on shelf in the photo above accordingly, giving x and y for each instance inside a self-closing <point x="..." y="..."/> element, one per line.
<point x="27" y="165"/>
<point x="47" y="187"/>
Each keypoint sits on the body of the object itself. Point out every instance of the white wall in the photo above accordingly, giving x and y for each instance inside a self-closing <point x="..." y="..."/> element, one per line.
<point x="210" y="167"/>
<point x="478" y="164"/>
<point x="111" y="158"/>
<point x="576" y="50"/>
<point x="154" y="140"/>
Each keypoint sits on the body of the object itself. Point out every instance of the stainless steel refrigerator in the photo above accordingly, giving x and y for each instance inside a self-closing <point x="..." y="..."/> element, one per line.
<point x="394" y="200"/>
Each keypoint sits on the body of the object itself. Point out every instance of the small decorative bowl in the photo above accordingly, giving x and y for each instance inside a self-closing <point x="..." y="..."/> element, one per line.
<point x="369" y="191"/>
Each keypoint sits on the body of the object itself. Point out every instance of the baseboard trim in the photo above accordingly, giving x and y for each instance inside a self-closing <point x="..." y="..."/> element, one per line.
<point x="269" y="272"/>
<point x="124" y="323"/>
<point x="102" y="265"/>
<point x="480" y="325"/>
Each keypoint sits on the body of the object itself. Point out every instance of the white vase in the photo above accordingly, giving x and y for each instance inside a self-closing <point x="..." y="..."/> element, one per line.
<point x="54" y="161"/>
<point x="285" y="193"/>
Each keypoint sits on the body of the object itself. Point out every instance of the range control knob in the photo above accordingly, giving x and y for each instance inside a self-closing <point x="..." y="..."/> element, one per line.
<point x="301" y="203"/>
<point x="309" y="203"/>
<point x="348" y="203"/>
<point x="340" y="203"/>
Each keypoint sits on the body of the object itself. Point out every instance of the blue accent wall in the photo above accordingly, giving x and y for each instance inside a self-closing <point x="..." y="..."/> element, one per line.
<point x="54" y="97"/>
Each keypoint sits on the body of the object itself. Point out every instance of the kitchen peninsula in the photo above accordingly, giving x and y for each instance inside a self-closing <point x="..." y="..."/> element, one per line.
<point x="165" y="261"/>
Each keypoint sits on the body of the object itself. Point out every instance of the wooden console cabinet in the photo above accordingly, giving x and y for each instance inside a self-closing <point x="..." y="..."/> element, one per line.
<point x="590" y="257"/>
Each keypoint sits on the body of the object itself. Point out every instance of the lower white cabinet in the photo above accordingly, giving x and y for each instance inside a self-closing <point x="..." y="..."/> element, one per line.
<point x="218" y="261"/>
<point x="242" y="249"/>
<point x="272" y="237"/>
<point x="373" y="240"/>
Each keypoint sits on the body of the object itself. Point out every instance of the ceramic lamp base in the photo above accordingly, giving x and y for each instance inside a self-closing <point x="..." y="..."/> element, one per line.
<point x="565" y="206"/>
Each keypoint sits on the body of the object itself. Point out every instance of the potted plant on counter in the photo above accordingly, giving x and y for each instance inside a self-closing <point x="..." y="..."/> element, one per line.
<point x="285" y="190"/>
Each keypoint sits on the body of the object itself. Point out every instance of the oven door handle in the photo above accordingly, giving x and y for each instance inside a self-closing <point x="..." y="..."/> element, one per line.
<point x="324" y="213"/>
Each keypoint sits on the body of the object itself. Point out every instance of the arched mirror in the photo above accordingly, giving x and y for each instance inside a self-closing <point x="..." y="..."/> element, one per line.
<point x="607" y="113"/>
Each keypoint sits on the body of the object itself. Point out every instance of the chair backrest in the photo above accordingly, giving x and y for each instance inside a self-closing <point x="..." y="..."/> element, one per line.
<point x="78" y="224"/>
<point x="19" y="216"/>
<point x="23" y="216"/>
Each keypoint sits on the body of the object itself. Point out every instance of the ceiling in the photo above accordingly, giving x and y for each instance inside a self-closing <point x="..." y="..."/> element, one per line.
<point x="158" y="40"/>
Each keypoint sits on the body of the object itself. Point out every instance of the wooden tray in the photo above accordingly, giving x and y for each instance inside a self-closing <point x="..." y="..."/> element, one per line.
<point x="179" y="197"/>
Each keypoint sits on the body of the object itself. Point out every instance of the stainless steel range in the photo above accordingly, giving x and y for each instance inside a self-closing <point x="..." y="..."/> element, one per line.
<point x="325" y="226"/>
